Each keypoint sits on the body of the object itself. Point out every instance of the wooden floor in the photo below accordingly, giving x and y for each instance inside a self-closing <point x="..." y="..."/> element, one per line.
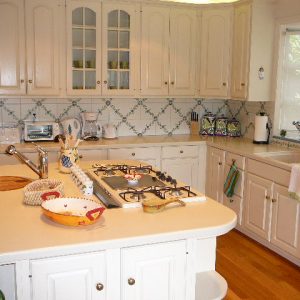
<point x="254" y="272"/>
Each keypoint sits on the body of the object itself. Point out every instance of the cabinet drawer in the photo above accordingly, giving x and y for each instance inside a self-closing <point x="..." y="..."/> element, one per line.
<point x="238" y="159"/>
<point x="88" y="155"/>
<point x="269" y="172"/>
<point x="179" y="151"/>
<point x="134" y="153"/>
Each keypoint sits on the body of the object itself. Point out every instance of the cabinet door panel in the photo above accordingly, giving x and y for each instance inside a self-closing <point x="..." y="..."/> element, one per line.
<point x="240" y="55"/>
<point x="158" y="271"/>
<point x="155" y="51"/>
<point x="285" y="221"/>
<point x="215" y="52"/>
<point x="42" y="28"/>
<point x="258" y="203"/>
<point x="73" y="277"/>
<point x="182" y="52"/>
<point x="12" y="47"/>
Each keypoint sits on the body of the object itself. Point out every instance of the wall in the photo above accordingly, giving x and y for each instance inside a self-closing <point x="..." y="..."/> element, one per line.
<point x="133" y="116"/>
<point x="287" y="8"/>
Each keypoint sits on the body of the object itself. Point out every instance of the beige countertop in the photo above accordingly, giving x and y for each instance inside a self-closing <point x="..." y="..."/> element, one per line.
<point x="25" y="233"/>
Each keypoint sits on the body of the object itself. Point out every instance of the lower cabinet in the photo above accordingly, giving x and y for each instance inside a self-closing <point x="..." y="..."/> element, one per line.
<point x="8" y="281"/>
<point x="78" y="277"/>
<point x="182" y="163"/>
<point x="155" y="271"/>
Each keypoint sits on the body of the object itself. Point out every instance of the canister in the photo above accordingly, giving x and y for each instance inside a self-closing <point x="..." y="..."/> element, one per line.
<point x="233" y="128"/>
<point x="221" y="126"/>
<point x="208" y="123"/>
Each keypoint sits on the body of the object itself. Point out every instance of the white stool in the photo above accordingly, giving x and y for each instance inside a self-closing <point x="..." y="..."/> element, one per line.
<point x="210" y="285"/>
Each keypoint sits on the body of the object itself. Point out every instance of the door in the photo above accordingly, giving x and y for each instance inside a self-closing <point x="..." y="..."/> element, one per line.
<point x="155" y="50"/>
<point x="258" y="205"/>
<point x="241" y="51"/>
<point x="215" y="174"/>
<point x="12" y="48"/>
<point x="156" y="271"/>
<point x="215" y="52"/>
<point x="84" y="47"/>
<point x="42" y="38"/>
<point x="182" y="169"/>
<point x="119" y="46"/>
<point x="182" y="52"/>
<point x="285" y="231"/>
<point x="77" y="277"/>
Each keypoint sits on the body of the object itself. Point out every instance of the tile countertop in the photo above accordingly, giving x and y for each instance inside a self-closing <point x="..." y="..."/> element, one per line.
<point x="25" y="233"/>
<point x="240" y="146"/>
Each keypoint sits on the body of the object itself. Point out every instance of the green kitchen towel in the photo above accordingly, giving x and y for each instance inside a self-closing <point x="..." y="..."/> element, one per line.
<point x="231" y="180"/>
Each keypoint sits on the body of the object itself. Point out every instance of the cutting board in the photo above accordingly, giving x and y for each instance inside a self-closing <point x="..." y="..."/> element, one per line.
<point x="9" y="183"/>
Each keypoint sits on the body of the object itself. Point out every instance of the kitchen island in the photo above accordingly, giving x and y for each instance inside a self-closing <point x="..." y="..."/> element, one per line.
<point x="127" y="254"/>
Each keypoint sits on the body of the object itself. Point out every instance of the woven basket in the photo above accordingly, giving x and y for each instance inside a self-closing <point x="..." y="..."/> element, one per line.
<point x="44" y="189"/>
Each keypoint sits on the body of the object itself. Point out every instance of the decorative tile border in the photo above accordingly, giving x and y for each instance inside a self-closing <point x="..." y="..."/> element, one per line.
<point x="137" y="116"/>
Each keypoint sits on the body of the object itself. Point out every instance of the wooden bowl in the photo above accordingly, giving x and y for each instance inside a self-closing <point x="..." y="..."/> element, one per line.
<point x="72" y="211"/>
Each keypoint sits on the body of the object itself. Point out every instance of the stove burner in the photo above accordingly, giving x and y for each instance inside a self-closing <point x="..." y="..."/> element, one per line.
<point x="109" y="170"/>
<point x="137" y="196"/>
<point x="139" y="169"/>
<point x="176" y="192"/>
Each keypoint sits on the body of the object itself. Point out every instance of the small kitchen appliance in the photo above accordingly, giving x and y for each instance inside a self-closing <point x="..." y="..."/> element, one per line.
<point x="109" y="131"/>
<point x="91" y="128"/>
<point x="71" y="127"/>
<point x="40" y="131"/>
<point x="262" y="129"/>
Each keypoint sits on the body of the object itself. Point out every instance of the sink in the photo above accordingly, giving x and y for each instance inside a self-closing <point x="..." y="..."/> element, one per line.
<point x="9" y="183"/>
<point x="288" y="157"/>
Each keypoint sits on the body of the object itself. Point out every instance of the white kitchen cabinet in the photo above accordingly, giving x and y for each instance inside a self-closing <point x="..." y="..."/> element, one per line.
<point x="92" y="154"/>
<point x="156" y="271"/>
<point x="285" y="228"/>
<point x="8" y="281"/>
<point x="252" y="51"/>
<point x="258" y="205"/>
<point x="215" y="52"/>
<point x="215" y="173"/>
<point x="78" y="277"/>
<point x="168" y="51"/>
<point x="41" y="58"/>
<point x="120" y="56"/>
<point x="42" y="44"/>
<point x="83" y="29"/>
<point x="12" y="47"/>
<point x="150" y="155"/>
<point x="181" y="163"/>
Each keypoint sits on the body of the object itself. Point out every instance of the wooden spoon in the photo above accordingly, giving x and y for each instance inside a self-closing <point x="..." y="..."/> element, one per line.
<point x="156" y="205"/>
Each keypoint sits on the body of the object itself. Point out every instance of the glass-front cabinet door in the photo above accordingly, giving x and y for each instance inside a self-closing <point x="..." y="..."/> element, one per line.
<point x="84" y="48"/>
<point x="119" y="37"/>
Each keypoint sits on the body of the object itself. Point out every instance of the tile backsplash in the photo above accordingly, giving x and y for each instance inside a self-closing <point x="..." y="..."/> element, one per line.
<point x="143" y="116"/>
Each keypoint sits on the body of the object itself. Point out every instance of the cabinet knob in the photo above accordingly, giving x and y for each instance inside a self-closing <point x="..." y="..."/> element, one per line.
<point x="131" y="281"/>
<point x="268" y="197"/>
<point x="98" y="81"/>
<point x="132" y="154"/>
<point x="22" y="80"/>
<point x="172" y="82"/>
<point x="105" y="81"/>
<point x="274" y="200"/>
<point x="243" y="84"/>
<point x="231" y="200"/>
<point x="29" y="81"/>
<point x="220" y="163"/>
<point x="99" y="286"/>
<point x="80" y="156"/>
<point x="166" y="82"/>
<point x="224" y="83"/>
<point x="181" y="151"/>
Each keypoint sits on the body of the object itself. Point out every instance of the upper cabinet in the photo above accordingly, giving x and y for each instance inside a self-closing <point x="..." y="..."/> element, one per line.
<point x="252" y="51"/>
<point x="41" y="21"/>
<point x="215" y="52"/>
<point x="84" y="47"/>
<point x="168" y="51"/>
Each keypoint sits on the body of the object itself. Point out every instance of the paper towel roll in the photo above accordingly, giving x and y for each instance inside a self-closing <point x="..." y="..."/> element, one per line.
<point x="261" y="131"/>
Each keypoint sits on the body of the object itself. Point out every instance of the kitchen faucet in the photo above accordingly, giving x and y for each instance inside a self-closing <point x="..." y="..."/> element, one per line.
<point x="42" y="169"/>
<point x="297" y="124"/>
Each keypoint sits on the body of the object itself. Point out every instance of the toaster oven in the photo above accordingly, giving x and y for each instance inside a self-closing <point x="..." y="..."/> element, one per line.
<point x="40" y="131"/>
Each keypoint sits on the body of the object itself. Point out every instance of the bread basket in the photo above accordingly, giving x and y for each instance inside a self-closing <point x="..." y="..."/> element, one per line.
<point x="44" y="189"/>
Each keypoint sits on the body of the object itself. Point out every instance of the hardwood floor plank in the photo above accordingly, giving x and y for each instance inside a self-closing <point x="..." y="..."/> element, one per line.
<point x="254" y="272"/>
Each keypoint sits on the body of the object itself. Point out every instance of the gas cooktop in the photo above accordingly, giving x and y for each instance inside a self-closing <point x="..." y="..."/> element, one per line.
<point x="114" y="186"/>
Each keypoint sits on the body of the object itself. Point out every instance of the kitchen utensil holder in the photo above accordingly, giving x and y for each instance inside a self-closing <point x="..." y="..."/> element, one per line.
<point x="44" y="189"/>
<point x="194" y="128"/>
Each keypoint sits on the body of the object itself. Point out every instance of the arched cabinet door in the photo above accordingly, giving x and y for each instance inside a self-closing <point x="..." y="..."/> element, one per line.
<point x="84" y="47"/>
<point x="119" y="45"/>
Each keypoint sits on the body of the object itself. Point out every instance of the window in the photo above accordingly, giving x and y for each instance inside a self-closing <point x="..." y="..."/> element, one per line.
<point x="288" y="109"/>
